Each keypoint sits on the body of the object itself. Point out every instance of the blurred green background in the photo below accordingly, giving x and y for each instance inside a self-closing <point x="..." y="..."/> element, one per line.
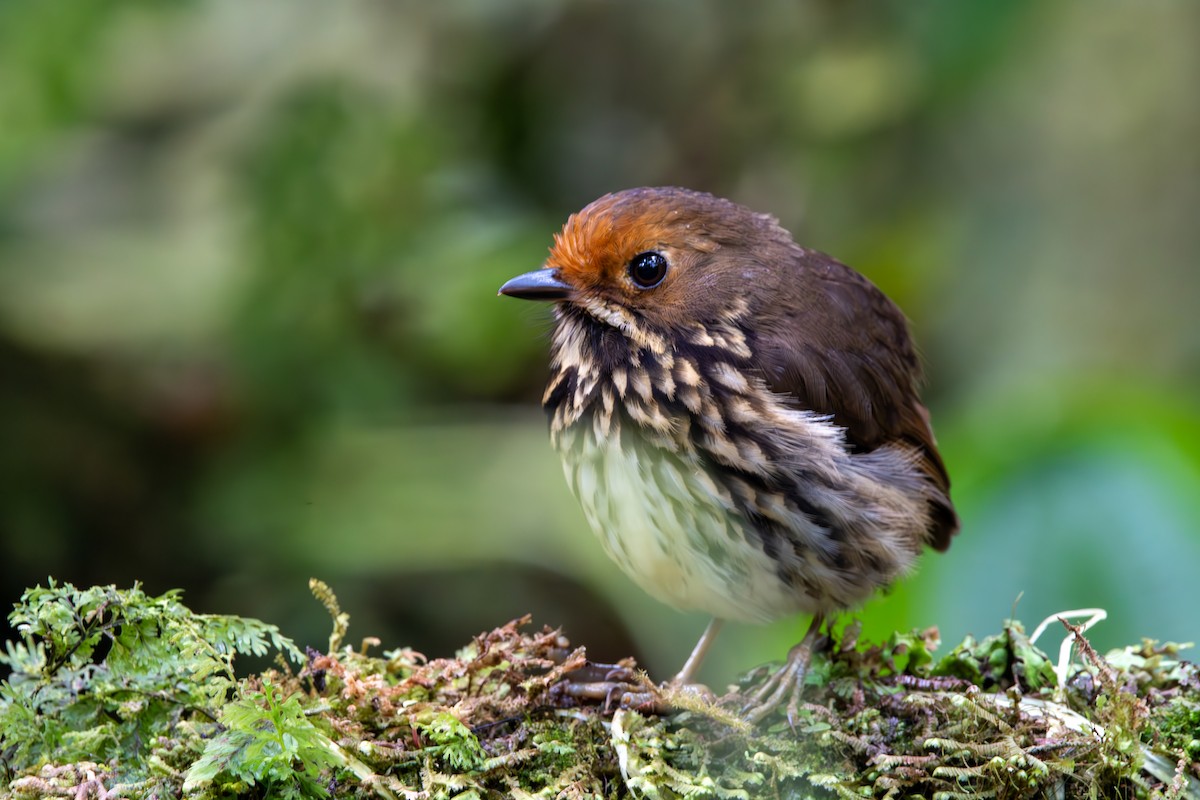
<point x="249" y="255"/>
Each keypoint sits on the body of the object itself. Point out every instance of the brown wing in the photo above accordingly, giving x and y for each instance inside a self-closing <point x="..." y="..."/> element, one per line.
<point x="841" y="347"/>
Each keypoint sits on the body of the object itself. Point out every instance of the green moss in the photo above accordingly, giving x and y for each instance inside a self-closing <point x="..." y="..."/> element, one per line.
<point x="114" y="690"/>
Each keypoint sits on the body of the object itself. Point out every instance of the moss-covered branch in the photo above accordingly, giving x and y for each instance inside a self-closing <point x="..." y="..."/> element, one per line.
<point x="117" y="694"/>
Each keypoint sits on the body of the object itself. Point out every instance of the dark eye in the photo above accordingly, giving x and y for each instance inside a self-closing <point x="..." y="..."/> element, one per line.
<point x="648" y="269"/>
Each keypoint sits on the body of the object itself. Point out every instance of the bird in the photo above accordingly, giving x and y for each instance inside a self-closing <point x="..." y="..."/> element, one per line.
<point x="738" y="416"/>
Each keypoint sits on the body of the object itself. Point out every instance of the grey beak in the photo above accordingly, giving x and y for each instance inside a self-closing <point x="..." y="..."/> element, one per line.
<point x="541" y="284"/>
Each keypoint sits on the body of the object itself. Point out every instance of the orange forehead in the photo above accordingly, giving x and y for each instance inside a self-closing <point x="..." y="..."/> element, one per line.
<point x="597" y="243"/>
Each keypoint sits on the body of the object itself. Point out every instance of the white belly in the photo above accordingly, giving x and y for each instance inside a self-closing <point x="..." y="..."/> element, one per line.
<point x="674" y="531"/>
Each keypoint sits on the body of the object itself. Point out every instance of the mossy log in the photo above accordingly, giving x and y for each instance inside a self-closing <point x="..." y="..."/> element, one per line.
<point x="520" y="713"/>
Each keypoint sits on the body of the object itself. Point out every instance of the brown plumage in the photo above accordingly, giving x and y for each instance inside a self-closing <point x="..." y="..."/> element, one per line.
<point x="738" y="415"/>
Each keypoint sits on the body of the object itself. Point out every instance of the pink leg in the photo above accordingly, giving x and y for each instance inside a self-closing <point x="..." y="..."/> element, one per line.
<point x="687" y="675"/>
<point x="788" y="681"/>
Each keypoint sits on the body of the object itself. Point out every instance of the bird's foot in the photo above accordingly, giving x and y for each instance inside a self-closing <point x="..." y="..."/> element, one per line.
<point x="786" y="682"/>
<point x="614" y="686"/>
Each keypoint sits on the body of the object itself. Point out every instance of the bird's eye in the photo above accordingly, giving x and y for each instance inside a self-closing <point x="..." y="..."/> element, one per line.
<point x="648" y="269"/>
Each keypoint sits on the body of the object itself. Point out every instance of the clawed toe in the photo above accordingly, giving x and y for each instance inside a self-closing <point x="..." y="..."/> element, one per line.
<point x="616" y="686"/>
<point x="786" y="682"/>
<point x="612" y="686"/>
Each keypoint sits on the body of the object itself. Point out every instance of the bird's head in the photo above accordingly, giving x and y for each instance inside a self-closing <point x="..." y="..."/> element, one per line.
<point x="662" y="257"/>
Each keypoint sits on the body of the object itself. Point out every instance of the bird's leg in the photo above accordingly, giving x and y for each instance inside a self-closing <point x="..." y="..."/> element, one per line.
<point x="788" y="680"/>
<point x="686" y="675"/>
<point x="628" y="688"/>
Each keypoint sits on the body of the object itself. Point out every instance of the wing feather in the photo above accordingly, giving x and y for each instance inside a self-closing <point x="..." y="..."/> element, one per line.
<point x="845" y="350"/>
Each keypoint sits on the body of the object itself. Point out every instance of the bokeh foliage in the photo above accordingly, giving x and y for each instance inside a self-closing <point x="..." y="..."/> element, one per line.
<point x="248" y="255"/>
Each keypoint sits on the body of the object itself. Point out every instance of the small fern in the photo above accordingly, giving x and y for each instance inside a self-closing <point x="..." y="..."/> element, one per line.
<point x="99" y="674"/>
<point x="267" y="743"/>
